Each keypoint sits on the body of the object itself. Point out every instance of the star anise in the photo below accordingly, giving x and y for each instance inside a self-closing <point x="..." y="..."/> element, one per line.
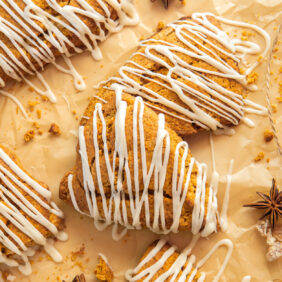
<point x="165" y="2"/>
<point x="272" y="204"/>
<point x="79" y="278"/>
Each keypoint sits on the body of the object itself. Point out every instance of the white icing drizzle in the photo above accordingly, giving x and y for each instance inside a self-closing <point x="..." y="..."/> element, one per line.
<point x="156" y="170"/>
<point x="223" y="214"/>
<point x="225" y="103"/>
<point x="16" y="101"/>
<point x="11" y="277"/>
<point x="247" y="278"/>
<point x="185" y="258"/>
<point x="213" y="218"/>
<point x="12" y="203"/>
<point x="34" y="49"/>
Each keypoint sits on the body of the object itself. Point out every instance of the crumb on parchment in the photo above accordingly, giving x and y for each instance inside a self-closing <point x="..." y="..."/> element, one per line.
<point x="54" y="129"/>
<point x="259" y="157"/>
<point x="268" y="135"/>
<point x="29" y="135"/>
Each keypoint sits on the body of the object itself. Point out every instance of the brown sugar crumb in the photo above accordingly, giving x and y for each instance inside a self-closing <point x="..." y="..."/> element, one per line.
<point x="55" y="129"/>
<point x="44" y="98"/>
<point x="40" y="132"/>
<point x="31" y="105"/>
<point x="268" y="135"/>
<point x="29" y="135"/>
<point x="252" y="77"/>
<point x="39" y="114"/>
<point x="183" y="2"/>
<point x="259" y="157"/>
<point x="103" y="271"/>
<point x="80" y="265"/>
<point x="274" y="108"/>
<point x="78" y="253"/>
<point x="36" y="125"/>
<point x="79" y="278"/>
<point x="160" y="26"/>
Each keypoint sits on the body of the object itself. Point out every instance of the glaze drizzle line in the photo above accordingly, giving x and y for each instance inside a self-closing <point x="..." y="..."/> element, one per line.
<point x="12" y="202"/>
<point x="184" y="263"/>
<point x="156" y="170"/>
<point x="221" y="101"/>
<point x="35" y="50"/>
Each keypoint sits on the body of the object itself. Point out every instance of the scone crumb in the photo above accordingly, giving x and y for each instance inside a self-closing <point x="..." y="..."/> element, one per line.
<point x="78" y="253"/>
<point x="103" y="270"/>
<point x="260" y="58"/>
<point x="252" y="77"/>
<point x="268" y="135"/>
<point x="274" y="108"/>
<point x="39" y="114"/>
<point x="160" y="26"/>
<point x="31" y="105"/>
<point x="44" y="98"/>
<point x="259" y="157"/>
<point x="36" y="125"/>
<point x="29" y="135"/>
<point x="54" y="129"/>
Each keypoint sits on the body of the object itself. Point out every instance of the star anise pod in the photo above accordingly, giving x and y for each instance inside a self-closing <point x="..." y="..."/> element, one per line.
<point x="165" y="2"/>
<point x="272" y="204"/>
<point x="79" y="278"/>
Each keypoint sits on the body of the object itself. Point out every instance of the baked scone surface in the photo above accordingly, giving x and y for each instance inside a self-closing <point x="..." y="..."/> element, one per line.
<point x="134" y="171"/>
<point x="28" y="216"/>
<point x="189" y="71"/>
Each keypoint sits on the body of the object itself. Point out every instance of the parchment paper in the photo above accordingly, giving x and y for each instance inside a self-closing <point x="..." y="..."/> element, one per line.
<point x="48" y="157"/>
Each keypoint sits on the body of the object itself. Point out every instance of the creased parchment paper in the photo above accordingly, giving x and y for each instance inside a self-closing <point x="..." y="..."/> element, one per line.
<point x="48" y="157"/>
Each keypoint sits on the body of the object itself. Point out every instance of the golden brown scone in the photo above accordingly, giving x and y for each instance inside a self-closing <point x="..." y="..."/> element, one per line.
<point x="144" y="79"/>
<point x="163" y="268"/>
<point x="169" y="201"/>
<point x="9" y="180"/>
<point x="103" y="271"/>
<point x="73" y="38"/>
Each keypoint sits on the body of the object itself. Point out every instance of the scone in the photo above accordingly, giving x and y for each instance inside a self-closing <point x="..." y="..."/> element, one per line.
<point x="35" y="32"/>
<point x="133" y="170"/>
<point x="188" y="72"/>
<point x="28" y="216"/>
<point x="162" y="262"/>
<point x="103" y="270"/>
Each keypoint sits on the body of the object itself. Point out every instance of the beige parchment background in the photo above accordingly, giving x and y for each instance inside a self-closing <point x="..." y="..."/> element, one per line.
<point x="48" y="158"/>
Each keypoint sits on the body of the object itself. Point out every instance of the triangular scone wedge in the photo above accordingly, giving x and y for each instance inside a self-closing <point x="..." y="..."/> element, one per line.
<point x="34" y="33"/>
<point x="163" y="262"/>
<point x="28" y="217"/>
<point x="188" y="72"/>
<point x="133" y="170"/>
